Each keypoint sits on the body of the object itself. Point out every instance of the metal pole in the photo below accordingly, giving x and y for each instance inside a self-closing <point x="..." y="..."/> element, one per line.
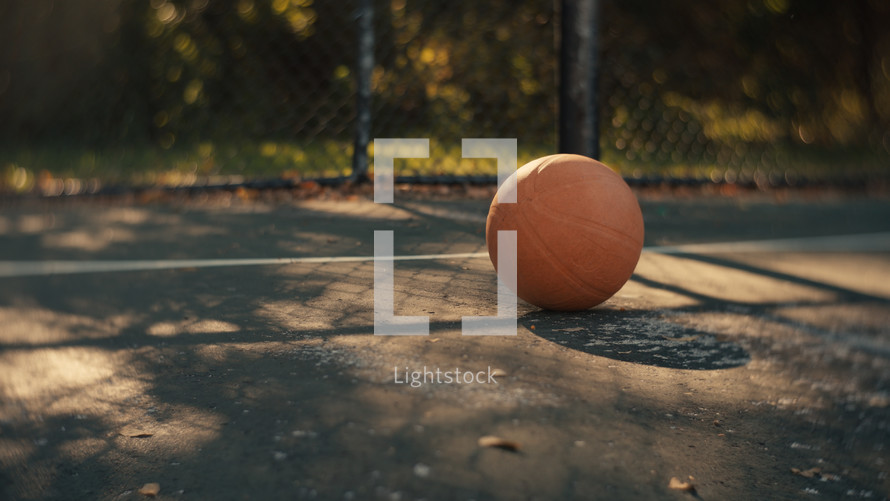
<point x="364" y="68"/>
<point x="578" y="75"/>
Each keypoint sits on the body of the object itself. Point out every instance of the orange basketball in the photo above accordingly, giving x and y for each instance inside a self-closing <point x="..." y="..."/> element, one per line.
<point x="579" y="231"/>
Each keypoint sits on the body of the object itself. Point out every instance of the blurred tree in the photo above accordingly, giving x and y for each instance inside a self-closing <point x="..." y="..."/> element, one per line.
<point x="467" y="68"/>
<point x="676" y="77"/>
<point x="49" y="52"/>
<point x="809" y="68"/>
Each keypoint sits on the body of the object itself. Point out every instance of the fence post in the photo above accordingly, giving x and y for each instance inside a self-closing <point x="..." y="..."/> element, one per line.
<point x="364" y="68"/>
<point x="578" y="76"/>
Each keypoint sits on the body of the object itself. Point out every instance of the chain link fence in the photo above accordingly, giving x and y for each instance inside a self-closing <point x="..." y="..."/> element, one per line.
<point x="175" y="92"/>
<point x="765" y="92"/>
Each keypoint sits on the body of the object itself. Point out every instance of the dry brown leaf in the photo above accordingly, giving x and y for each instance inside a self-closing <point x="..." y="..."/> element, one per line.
<point x="246" y="194"/>
<point x="571" y="329"/>
<point x="498" y="373"/>
<point x="136" y="433"/>
<point x="684" y="339"/>
<point x="434" y="339"/>
<point x="811" y="473"/>
<point x="499" y="443"/>
<point x="679" y="485"/>
<point x="151" y="489"/>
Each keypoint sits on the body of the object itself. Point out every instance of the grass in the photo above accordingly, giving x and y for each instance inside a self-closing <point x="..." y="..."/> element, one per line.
<point x="21" y="169"/>
<point x="24" y="168"/>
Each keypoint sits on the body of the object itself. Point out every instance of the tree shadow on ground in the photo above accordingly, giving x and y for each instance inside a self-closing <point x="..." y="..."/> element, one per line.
<point x="650" y="337"/>
<point x="247" y="399"/>
<point x="639" y="336"/>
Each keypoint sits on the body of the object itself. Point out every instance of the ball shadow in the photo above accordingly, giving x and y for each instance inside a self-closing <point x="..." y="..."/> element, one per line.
<point x="642" y="337"/>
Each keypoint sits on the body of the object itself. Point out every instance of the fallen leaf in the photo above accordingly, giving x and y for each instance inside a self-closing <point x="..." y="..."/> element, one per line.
<point x="151" y="489"/>
<point x="498" y="373"/>
<point x="679" y="485"/>
<point x="136" y="433"/>
<point x="684" y="339"/>
<point x="570" y="329"/>
<point x="245" y="194"/>
<point x="811" y="473"/>
<point x="434" y="339"/>
<point x="499" y="443"/>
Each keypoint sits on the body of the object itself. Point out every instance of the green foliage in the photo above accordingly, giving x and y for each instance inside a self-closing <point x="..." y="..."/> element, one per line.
<point x="755" y="72"/>
<point x="266" y="86"/>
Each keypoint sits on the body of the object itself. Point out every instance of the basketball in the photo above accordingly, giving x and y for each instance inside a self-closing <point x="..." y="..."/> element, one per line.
<point x="579" y="231"/>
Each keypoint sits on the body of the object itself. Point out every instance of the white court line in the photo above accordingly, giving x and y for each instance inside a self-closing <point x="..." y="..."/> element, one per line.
<point x="868" y="242"/>
<point x="863" y="242"/>
<point x="41" y="268"/>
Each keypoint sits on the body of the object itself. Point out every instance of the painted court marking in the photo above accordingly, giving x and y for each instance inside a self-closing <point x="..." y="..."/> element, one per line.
<point x="868" y="242"/>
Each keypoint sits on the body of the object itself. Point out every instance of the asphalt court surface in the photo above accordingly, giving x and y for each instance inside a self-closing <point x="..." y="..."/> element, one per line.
<point x="732" y="364"/>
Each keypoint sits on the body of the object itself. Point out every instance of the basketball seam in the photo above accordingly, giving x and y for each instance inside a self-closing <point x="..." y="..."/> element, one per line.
<point x="557" y="265"/>
<point x="562" y="269"/>
<point x="536" y="239"/>
<point x="598" y="224"/>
